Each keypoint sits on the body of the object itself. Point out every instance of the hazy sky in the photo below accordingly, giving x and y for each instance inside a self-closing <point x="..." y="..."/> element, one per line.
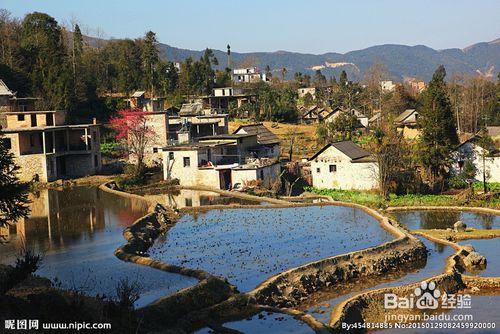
<point x="310" y="26"/>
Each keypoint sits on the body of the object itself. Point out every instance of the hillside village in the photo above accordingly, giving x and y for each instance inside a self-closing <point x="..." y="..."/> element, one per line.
<point x="99" y="140"/>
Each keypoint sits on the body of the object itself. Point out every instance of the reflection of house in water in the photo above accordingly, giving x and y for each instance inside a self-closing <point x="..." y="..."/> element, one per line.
<point x="186" y="198"/>
<point x="60" y="215"/>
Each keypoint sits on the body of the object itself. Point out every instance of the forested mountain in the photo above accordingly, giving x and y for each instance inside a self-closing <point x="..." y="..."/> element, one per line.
<point x="401" y="60"/>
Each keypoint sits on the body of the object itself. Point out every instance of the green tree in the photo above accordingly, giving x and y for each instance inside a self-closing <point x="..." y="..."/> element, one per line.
<point x="438" y="131"/>
<point x="150" y="58"/>
<point x="13" y="193"/>
<point x="319" y="79"/>
<point x="46" y="61"/>
<point x="343" y="126"/>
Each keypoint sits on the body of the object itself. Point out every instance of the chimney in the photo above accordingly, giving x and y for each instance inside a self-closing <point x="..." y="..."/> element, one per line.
<point x="94" y="120"/>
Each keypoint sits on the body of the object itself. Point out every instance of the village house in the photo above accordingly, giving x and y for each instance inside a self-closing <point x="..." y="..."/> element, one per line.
<point x="302" y="92"/>
<point x="221" y="99"/>
<point x="407" y="123"/>
<point x="376" y="120"/>
<point x="175" y="126"/>
<point x="267" y="141"/>
<point x="344" y="165"/>
<point x="44" y="145"/>
<point x="387" y="86"/>
<point x="415" y="85"/>
<point x="317" y="114"/>
<point x="225" y="161"/>
<point x="140" y="100"/>
<point x="248" y="75"/>
<point x="486" y="162"/>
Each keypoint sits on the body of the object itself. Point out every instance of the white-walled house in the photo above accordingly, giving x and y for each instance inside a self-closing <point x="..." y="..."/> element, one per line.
<point x="222" y="161"/>
<point x="248" y="75"/>
<point x="344" y="165"/>
<point x="471" y="151"/>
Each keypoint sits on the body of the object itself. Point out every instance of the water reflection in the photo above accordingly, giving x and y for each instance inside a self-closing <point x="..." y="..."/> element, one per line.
<point x="78" y="230"/>
<point x="437" y="219"/>
<point x="186" y="198"/>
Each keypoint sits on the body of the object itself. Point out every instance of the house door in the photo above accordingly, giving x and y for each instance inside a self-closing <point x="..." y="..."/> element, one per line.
<point x="225" y="179"/>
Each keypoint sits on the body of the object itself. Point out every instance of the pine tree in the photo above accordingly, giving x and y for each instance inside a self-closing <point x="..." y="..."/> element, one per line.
<point x="438" y="130"/>
<point x="150" y="58"/>
<point x="13" y="193"/>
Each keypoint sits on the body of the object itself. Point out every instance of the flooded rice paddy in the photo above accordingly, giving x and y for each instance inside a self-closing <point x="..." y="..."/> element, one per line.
<point x="437" y="219"/>
<point x="322" y="304"/>
<point x="77" y="231"/>
<point x="246" y="246"/>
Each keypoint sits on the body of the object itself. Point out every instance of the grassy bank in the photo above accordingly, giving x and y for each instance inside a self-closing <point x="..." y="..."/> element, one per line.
<point x="374" y="200"/>
<point x="457" y="236"/>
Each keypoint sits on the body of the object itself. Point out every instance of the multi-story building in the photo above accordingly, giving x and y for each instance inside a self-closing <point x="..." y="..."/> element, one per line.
<point x="44" y="145"/>
<point x="174" y="127"/>
<point x="225" y="161"/>
<point x="247" y="75"/>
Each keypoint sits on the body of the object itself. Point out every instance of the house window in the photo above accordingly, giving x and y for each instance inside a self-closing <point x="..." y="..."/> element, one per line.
<point x="318" y="170"/>
<point x="155" y="149"/>
<point x="187" y="161"/>
<point x="333" y="168"/>
<point x="171" y="155"/>
<point x="189" y="202"/>
<point x="7" y="143"/>
<point x="20" y="118"/>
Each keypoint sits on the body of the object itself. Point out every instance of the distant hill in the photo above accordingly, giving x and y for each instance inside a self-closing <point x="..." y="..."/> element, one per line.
<point x="401" y="60"/>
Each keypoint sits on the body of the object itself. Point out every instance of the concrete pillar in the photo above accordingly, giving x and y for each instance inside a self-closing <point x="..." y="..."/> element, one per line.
<point x="53" y="142"/>
<point x="86" y="139"/>
<point x="43" y="142"/>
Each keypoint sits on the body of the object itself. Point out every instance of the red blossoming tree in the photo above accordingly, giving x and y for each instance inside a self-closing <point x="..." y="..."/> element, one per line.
<point x="132" y="129"/>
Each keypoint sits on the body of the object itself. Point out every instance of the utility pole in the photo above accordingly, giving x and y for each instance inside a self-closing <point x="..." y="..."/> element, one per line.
<point x="485" y="187"/>
<point x="228" y="56"/>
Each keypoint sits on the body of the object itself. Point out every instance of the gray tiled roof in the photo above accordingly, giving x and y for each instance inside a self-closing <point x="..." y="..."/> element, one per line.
<point x="264" y="136"/>
<point x="347" y="147"/>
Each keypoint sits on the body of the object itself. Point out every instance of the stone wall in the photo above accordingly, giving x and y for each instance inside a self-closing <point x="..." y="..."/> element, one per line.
<point x="289" y="288"/>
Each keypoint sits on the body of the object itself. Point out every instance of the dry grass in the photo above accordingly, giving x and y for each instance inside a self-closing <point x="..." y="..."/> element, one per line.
<point x="305" y="144"/>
